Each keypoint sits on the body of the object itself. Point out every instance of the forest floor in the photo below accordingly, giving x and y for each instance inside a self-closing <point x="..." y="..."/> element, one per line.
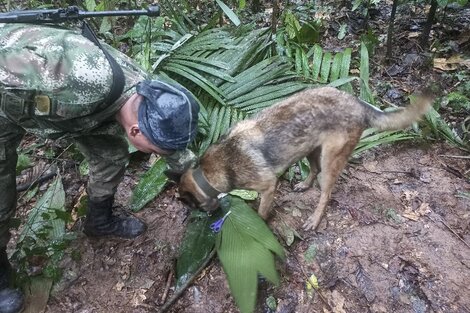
<point x="395" y="237"/>
<point x="391" y="241"/>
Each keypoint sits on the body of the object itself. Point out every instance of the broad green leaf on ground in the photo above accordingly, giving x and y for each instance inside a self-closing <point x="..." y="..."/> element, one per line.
<point x="245" y="247"/>
<point x="45" y="219"/>
<point x="37" y="294"/>
<point x="149" y="186"/>
<point x="197" y="244"/>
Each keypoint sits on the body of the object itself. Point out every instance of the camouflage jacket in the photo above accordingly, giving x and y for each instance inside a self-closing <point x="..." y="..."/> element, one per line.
<point x="67" y="69"/>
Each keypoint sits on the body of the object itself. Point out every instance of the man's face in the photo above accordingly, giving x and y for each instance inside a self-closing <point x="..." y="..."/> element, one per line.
<point x="141" y="143"/>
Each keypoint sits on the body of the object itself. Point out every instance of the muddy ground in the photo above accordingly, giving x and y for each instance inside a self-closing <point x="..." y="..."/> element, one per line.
<point x="392" y="241"/>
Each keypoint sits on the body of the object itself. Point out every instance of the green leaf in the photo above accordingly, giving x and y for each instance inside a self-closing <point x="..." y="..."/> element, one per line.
<point x="203" y="68"/>
<point x="317" y="61"/>
<point x="37" y="293"/>
<point x="370" y="139"/>
<point x="342" y="81"/>
<point x="325" y="67"/>
<point x="311" y="252"/>
<point x="90" y="5"/>
<point x="345" y="67"/>
<point x="336" y="66"/>
<point x="149" y="186"/>
<point x="245" y="247"/>
<point x="235" y="255"/>
<point x="23" y="163"/>
<point x="271" y="303"/>
<point x="252" y="224"/>
<point x="84" y="168"/>
<point x="231" y="15"/>
<point x="196" y="246"/>
<point x="305" y="65"/>
<point x="309" y="33"/>
<point x="342" y="31"/>
<point x="298" y="60"/>
<point x="311" y="284"/>
<point x="365" y="92"/>
<point x="244" y="194"/>
<point x="51" y="202"/>
<point x="197" y="78"/>
<point x="356" y="4"/>
<point x="441" y="130"/>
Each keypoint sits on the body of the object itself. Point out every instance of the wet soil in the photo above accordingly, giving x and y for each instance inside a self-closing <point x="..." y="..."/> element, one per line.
<point x="394" y="239"/>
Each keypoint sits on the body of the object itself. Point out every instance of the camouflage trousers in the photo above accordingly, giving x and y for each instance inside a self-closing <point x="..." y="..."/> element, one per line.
<point x="106" y="153"/>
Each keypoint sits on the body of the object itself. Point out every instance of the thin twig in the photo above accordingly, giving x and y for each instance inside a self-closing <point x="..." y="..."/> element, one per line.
<point x="322" y="297"/>
<point x="168" y="285"/>
<point x="467" y="157"/>
<point x="181" y="290"/>
<point x="449" y="228"/>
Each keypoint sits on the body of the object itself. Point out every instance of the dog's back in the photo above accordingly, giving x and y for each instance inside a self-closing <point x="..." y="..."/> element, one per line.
<point x="284" y="133"/>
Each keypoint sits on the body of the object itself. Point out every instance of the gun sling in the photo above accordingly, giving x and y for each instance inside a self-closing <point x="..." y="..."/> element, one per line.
<point x="118" y="76"/>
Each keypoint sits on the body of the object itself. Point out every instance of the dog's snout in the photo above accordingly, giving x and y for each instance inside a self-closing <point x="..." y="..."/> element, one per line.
<point x="211" y="205"/>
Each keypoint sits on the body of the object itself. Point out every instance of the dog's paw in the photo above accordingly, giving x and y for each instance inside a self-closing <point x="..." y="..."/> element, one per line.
<point x="302" y="186"/>
<point x="311" y="224"/>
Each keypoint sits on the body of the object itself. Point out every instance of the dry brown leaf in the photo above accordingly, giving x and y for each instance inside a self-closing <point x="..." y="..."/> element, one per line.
<point x="424" y="209"/>
<point x="413" y="34"/>
<point x="451" y="63"/>
<point x="411" y="216"/>
<point x="338" y="302"/>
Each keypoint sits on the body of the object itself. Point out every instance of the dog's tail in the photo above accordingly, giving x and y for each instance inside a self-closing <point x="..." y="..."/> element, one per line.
<point x="400" y="118"/>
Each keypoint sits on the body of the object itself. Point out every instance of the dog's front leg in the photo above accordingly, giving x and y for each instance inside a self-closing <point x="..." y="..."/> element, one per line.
<point x="267" y="198"/>
<point x="314" y="161"/>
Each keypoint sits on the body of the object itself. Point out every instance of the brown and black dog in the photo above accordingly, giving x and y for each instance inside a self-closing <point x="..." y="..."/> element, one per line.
<point x="322" y="124"/>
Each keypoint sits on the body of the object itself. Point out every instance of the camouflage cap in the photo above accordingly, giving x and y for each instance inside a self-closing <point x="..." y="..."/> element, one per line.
<point x="167" y="115"/>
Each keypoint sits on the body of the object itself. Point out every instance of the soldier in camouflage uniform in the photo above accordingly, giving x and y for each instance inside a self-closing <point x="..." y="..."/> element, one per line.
<point x="55" y="83"/>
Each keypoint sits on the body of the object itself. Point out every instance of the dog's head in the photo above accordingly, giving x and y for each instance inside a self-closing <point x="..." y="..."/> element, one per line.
<point x="193" y="193"/>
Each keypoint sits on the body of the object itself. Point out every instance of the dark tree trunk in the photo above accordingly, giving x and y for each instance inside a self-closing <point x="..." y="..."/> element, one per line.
<point x="429" y="22"/>
<point x="390" y="30"/>
<point x="255" y="6"/>
<point x="274" y="22"/>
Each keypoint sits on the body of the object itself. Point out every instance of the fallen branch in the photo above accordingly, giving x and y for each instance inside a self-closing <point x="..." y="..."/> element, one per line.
<point x="466" y="157"/>
<point x="167" y="286"/>
<point x="37" y="181"/>
<point x="178" y="293"/>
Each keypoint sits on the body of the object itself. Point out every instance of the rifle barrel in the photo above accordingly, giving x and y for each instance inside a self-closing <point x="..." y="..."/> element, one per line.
<point x="68" y="14"/>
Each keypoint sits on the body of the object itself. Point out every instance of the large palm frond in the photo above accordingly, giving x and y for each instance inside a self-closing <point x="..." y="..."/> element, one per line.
<point x="229" y="70"/>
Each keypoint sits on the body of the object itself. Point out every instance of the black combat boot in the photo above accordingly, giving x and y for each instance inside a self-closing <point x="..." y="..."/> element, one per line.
<point x="100" y="221"/>
<point x="11" y="300"/>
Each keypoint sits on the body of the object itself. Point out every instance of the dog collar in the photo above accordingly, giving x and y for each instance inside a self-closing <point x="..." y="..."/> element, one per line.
<point x="202" y="182"/>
